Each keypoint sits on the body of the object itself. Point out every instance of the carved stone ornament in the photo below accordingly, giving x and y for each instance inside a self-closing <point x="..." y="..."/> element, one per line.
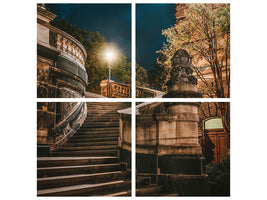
<point x="181" y="68"/>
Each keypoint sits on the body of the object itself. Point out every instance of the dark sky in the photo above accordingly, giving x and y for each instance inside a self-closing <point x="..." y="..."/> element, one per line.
<point x="112" y="21"/>
<point x="150" y="20"/>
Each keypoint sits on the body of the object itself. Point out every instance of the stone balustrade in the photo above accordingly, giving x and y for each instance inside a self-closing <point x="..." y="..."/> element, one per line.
<point x="142" y="92"/>
<point x="68" y="45"/>
<point x="121" y="90"/>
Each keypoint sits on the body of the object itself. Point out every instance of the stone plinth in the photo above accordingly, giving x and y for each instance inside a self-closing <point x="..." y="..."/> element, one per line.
<point x="168" y="132"/>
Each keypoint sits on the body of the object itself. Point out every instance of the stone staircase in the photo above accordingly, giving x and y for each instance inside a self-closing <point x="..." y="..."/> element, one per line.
<point x="88" y="164"/>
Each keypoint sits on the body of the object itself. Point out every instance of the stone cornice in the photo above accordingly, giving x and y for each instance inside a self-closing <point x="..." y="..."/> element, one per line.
<point x="45" y="14"/>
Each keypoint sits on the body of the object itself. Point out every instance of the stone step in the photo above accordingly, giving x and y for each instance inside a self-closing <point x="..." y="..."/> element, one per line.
<point x="89" y="131"/>
<point x="150" y="190"/>
<point x="91" y="143"/>
<point x="93" y="139"/>
<point x="106" y="106"/>
<point x="72" y="161"/>
<point x="101" y="119"/>
<point x="106" y="122"/>
<point x="64" y="148"/>
<point x="107" y="152"/>
<point x="95" y="125"/>
<point x="110" y="105"/>
<point x="99" y="135"/>
<point x="86" y="189"/>
<point x="102" y="114"/>
<point x="76" y="179"/>
<point x="120" y="194"/>
<point x="98" y="129"/>
<point x="104" y="109"/>
<point x="162" y="194"/>
<point x="78" y="169"/>
<point x="123" y="192"/>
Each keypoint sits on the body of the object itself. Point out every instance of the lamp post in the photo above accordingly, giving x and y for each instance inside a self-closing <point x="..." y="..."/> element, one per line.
<point x="109" y="56"/>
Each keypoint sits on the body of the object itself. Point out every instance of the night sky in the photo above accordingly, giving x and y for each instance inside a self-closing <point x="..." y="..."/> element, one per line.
<point x="150" y="20"/>
<point x="112" y="21"/>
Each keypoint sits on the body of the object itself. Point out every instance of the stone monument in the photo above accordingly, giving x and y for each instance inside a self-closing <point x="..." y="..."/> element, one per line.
<point x="167" y="135"/>
<point x="182" y="83"/>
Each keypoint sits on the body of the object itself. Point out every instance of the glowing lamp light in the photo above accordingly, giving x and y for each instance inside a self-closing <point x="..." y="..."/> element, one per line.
<point x="109" y="56"/>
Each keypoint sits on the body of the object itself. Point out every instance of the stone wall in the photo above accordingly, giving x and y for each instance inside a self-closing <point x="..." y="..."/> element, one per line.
<point x="53" y="82"/>
<point x="46" y="118"/>
<point x="125" y="139"/>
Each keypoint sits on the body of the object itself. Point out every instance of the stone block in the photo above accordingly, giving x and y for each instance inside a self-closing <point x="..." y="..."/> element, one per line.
<point x="186" y="185"/>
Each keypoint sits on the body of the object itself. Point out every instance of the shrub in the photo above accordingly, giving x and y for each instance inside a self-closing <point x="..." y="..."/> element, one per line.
<point x="219" y="178"/>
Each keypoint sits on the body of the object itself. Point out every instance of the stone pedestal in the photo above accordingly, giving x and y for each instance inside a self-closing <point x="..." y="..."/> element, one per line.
<point x="183" y="161"/>
<point x="184" y="156"/>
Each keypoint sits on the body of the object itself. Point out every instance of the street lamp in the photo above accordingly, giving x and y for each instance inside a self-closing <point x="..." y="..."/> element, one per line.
<point x="109" y="57"/>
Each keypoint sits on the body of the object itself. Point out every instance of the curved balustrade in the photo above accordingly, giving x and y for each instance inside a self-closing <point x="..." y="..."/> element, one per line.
<point x="121" y="90"/>
<point x="68" y="45"/>
<point x="68" y="125"/>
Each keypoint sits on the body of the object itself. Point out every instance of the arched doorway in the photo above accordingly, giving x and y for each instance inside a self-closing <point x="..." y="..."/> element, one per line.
<point x="215" y="139"/>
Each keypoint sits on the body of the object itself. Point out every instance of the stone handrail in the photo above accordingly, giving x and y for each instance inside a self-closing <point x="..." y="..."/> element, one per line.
<point x="68" y="125"/>
<point x="142" y="92"/>
<point x="121" y="90"/>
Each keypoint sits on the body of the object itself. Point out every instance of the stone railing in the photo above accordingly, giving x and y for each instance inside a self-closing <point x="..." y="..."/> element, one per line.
<point x="121" y="90"/>
<point x="69" y="124"/>
<point x="142" y="92"/>
<point x="115" y="90"/>
<point x="57" y="121"/>
<point x="68" y="45"/>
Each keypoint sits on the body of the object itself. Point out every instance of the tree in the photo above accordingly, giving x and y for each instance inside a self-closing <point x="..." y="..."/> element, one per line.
<point x="121" y="70"/>
<point x="96" y="65"/>
<point x="141" y="76"/>
<point x="158" y="76"/>
<point x="205" y="33"/>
